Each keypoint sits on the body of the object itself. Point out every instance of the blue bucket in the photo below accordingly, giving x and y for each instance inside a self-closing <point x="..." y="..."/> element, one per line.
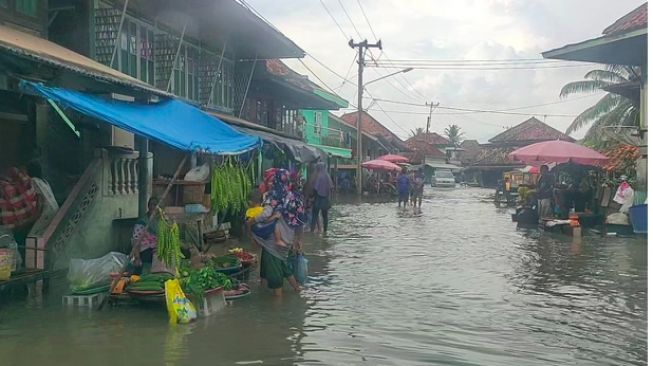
<point x="639" y="218"/>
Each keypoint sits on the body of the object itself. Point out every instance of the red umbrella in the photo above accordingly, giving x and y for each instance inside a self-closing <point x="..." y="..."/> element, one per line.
<point x="394" y="158"/>
<point x="558" y="152"/>
<point x="381" y="165"/>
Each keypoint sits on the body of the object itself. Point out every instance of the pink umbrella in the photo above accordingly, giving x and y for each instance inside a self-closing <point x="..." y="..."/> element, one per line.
<point x="558" y="152"/>
<point x="394" y="158"/>
<point x="381" y="165"/>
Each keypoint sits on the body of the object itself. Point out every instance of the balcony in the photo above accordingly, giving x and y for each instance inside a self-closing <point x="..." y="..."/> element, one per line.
<point x="336" y="138"/>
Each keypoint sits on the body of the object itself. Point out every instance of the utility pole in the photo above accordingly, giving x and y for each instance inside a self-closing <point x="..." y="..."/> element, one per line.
<point x="362" y="49"/>
<point x="428" y="119"/>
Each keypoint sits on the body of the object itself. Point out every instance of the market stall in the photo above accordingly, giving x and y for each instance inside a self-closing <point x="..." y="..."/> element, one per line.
<point x="226" y="172"/>
<point x="573" y="181"/>
<point x="381" y="181"/>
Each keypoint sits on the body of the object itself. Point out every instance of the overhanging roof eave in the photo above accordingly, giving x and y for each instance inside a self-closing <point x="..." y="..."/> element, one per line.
<point x="29" y="47"/>
<point x="572" y="52"/>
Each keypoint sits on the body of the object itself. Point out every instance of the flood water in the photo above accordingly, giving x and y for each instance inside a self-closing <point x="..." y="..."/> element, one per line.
<point x="457" y="285"/>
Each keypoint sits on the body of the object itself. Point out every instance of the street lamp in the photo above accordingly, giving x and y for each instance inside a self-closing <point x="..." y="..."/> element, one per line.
<point x="359" y="123"/>
<point x="387" y="76"/>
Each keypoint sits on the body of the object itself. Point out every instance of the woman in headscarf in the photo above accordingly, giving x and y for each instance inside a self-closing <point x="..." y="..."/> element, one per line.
<point x="322" y="186"/>
<point x="282" y="199"/>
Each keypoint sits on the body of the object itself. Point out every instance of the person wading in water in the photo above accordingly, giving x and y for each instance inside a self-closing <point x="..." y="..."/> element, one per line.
<point x="322" y="190"/>
<point x="403" y="187"/>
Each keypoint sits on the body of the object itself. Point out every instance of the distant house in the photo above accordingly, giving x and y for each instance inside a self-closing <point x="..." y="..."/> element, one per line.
<point x="471" y="149"/>
<point x="378" y="130"/>
<point x="486" y="163"/>
<point x="427" y="146"/>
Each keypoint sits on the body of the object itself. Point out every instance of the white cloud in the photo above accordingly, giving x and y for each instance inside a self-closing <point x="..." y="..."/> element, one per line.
<point x="462" y="29"/>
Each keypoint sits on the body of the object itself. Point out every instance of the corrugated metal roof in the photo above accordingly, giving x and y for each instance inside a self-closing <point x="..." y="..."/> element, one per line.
<point x="42" y="50"/>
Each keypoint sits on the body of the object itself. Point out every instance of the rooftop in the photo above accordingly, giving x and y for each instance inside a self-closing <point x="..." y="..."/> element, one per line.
<point x="432" y="138"/>
<point x="375" y="128"/>
<point x="530" y="131"/>
<point x="636" y="19"/>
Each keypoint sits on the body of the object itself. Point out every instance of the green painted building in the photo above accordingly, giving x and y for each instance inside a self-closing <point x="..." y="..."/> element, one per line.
<point x="319" y="133"/>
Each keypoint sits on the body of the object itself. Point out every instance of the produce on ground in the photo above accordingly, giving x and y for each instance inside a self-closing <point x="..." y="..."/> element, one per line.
<point x="150" y="282"/>
<point x="197" y="282"/>
<point x="225" y="261"/>
<point x="236" y="250"/>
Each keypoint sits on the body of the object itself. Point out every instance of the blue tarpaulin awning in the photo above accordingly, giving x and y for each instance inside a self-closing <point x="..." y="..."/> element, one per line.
<point x="171" y="122"/>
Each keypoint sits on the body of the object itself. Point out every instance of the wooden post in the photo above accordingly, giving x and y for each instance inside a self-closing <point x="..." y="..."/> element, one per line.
<point x="143" y="175"/>
<point x="168" y="187"/>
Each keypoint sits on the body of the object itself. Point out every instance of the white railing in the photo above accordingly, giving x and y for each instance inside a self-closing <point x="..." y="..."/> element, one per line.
<point x="120" y="172"/>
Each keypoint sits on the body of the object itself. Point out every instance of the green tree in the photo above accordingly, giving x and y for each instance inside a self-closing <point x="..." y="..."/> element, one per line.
<point x="418" y="132"/>
<point x="611" y="110"/>
<point x="454" y="134"/>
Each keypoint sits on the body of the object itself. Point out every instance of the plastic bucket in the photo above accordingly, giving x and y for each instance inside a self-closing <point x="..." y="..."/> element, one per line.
<point x="638" y="218"/>
<point x="6" y="263"/>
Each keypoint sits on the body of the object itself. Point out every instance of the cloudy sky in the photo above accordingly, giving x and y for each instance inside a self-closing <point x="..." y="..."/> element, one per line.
<point x="450" y="30"/>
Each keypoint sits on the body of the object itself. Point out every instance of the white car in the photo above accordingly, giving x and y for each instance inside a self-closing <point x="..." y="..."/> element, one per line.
<point x="444" y="179"/>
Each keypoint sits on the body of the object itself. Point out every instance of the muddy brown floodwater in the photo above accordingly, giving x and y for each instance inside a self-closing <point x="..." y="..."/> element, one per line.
<point x="457" y="285"/>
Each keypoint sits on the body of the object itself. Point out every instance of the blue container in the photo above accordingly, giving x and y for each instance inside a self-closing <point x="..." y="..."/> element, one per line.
<point x="639" y="218"/>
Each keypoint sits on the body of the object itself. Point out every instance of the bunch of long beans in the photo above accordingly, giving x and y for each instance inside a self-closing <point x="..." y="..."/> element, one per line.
<point x="168" y="248"/>
<point x="230" y="187"/>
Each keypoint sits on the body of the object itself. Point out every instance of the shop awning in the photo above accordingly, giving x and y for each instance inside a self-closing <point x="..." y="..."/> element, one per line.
<point x="298" y="150"/>
<point x="338" y="152"/>
<point x="171" y="122"/>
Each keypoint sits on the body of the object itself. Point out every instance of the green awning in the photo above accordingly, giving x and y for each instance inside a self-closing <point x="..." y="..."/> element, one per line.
<point x="335" y="151"/>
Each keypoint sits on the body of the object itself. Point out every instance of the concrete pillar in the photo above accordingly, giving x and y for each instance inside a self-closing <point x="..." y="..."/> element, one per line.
<point x="144" y="174"/>
<point x="42" y="126"/>
<point x="642" y="169"/>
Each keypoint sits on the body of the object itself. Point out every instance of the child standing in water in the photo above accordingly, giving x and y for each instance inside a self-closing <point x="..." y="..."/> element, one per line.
<point x="262" y="220"/>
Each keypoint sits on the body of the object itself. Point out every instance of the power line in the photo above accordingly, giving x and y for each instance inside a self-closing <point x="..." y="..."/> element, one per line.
<point x="351" y="65"/>
<point x="475" y="110"/>
<point x="501" y="61"/>
<point x="334" y="20"/>
<point x="462" y="114"/>
<point x="387" y="81"/>
<point x="504" y="109"/>
<point x="350" y="21"/>
<point x="367" y="19"/>
<point x="487" y="68"/>
<point x="317" y="77"/>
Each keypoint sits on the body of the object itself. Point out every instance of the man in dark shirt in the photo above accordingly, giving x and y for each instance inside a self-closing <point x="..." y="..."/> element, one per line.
<point x="544" y="192"/>
<point x="403" y="187"/>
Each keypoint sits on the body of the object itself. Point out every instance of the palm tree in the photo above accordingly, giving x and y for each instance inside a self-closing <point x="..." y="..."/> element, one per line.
<point x="611" y="110"/>
<point x="418" y="132"/>
<point x="454" y="134"/>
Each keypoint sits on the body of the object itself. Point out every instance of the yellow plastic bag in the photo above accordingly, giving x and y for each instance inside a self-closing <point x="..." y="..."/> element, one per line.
<point x="180" y="309"/>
